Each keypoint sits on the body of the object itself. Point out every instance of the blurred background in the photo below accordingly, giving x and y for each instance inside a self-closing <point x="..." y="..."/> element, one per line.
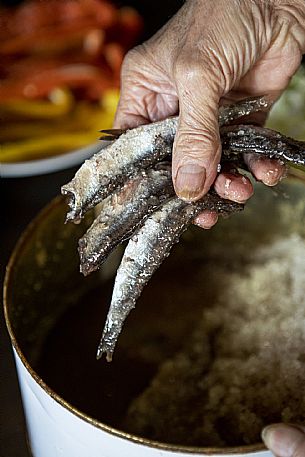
<point x="59" y="79"/>
<point x="59" y="85"/>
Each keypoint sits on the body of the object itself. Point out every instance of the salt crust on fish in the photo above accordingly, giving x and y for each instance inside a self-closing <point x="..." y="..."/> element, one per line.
<point x="121" y="214"/>
<point x="122" y="167"/>
<point x="145" y="252"/>
<point x="135" y="150"/>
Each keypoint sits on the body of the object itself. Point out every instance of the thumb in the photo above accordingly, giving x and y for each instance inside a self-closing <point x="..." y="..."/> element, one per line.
<point x="285" y="440"/>
<point x="197" y="149"/>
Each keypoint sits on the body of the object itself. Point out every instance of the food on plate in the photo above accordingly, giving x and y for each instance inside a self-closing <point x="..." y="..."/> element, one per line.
<point x="59" y="73"/>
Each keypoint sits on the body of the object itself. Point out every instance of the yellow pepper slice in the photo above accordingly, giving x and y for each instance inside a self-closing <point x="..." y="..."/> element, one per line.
<point x="41" y="147"/>
<point x="48" y="132"/>
<point x="61" y="102"/>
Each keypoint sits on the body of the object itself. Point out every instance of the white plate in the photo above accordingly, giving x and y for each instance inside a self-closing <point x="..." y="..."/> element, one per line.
<point x="50" y="164"/>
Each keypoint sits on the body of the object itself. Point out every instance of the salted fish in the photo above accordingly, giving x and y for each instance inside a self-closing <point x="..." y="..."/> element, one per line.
<point x="145" y="252"/>
<point x="122" y="213"/>
<point x="244" y="139"/>
<point x="135" y="150"/>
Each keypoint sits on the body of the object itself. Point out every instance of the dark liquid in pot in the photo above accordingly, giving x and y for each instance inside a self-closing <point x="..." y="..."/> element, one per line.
<point x="104" y="390"/>
<point x="68" y="364"/>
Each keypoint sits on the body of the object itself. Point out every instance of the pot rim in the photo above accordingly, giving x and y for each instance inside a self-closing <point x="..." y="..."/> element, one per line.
<point x="17" y="252"/>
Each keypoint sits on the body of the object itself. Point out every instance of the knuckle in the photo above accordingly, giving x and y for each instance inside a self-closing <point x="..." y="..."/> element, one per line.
<point x="196" y="146"/>
<point x="204" y="68"/>
<point x="200" y="121"/>
<point x="133" y="58"/>
<point x="195" y="136"/>
<point x="188" y="69"/>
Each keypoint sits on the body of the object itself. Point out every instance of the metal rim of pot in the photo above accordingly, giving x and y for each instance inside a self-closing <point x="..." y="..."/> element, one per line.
<point x="17" y="252"/>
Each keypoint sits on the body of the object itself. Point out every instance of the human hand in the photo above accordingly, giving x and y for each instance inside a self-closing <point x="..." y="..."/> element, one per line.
<point x="285" y="440"/>
<point x="210" y="52"/>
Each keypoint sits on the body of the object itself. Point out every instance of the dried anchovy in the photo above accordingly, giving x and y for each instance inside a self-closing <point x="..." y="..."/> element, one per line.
<point x="227" y="113"/>
<point x="122" y="213"/>
<point x="235" y="141"/>
<point x="145" y="252"/>
<point x="135" y="150"/>
<point x="231" y="112"/>
<point x="253" y="139"/>
<point x="125" y="165"/>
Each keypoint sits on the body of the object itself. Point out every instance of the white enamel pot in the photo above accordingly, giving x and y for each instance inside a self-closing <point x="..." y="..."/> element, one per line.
<point x="42" y="275"/>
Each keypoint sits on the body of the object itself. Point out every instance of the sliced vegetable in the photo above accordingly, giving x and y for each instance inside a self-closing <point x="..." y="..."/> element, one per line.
<point x="60" y="67"/>
<point x="29" y="140"/>
<point x="61" y="102"/>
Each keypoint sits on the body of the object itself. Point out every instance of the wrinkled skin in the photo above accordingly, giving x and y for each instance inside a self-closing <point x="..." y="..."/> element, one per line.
<point x="210" y="52"/>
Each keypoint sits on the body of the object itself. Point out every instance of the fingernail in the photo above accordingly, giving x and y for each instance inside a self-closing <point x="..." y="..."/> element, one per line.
<point x="267" y="435"/>
<point x="274" y="176"/>
<point x="282" y="439"/>
<point x="190" y="181"/>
